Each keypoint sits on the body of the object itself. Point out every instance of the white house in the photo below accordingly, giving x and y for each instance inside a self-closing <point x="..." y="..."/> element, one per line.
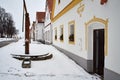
<point x="32" y="31"/>
<point x="88" y="32"/>
<point x="39" y="27"/>
<point x="48" y="25"/>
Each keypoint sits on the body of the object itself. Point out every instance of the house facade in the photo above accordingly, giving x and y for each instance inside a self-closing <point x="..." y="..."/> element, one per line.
<point x="48" y="25"/>
<point x="32" y="31"/>
<point x="39" y="26"/>
<point x="87" y="32"/>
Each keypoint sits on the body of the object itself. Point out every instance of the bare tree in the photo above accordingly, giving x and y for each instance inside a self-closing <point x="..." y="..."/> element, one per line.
<point x="2" y="12"/>
<point x="7" y="27"/>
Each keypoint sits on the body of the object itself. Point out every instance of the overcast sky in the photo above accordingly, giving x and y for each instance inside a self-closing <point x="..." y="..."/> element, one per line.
<point x="15" y="7"/>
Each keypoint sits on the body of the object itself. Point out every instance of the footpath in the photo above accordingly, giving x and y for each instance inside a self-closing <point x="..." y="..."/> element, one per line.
<point x="59" y="67"/>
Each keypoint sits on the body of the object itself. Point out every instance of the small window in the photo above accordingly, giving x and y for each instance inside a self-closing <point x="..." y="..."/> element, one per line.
<point x="55" y="33"/>
<point x="71" y="32"/>
<point x="61" y="33"/>
<point x="58" y="1"/>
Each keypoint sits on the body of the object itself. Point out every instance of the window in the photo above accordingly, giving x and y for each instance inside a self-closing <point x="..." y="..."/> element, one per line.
<point x="61" y="33"/>
<point x="72" y="32"/>
<point x="48" y="35"/>
<point x="58" y="1"/>
<point x="55" y="34"/>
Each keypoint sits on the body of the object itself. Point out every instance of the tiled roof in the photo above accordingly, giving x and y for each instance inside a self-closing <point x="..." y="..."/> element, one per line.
<point x="40" y="17"/>
<point x="50" y="4"/>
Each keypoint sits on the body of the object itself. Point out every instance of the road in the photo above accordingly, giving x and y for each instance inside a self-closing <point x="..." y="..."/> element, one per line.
<point x="4" y="43"/>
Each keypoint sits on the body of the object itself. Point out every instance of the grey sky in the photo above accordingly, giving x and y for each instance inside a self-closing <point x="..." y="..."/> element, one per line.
<point x="15" y="8"/>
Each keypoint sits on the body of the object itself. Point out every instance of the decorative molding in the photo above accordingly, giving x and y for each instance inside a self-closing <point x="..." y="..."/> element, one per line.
<point x="66" y="9"/>
<point x="105" y="22"/>
<point x="47" y="25"/>
<point x="80" y="9"/>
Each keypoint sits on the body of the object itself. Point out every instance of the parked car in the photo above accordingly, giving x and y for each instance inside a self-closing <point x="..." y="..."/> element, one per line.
<point x="26" y="63"/>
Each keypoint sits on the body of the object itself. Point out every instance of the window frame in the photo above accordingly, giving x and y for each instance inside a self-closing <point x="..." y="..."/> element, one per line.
<point x="55" y="34"/>
<point x="61" y="33"/>
<point x="69" y="34"/>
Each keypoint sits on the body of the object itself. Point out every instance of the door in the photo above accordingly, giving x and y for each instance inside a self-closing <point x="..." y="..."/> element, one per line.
<point x="98" y="51"/>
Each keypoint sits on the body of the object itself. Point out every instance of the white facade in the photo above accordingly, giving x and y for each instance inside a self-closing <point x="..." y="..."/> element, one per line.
<point x="87" y="16"/>
<point x="39" y="32"/>
<point x="32" y="31"/>
<point x="48" y="26"/>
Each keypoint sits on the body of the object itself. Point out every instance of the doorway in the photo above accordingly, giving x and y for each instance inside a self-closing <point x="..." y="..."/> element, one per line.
<point x="98" y="51"/>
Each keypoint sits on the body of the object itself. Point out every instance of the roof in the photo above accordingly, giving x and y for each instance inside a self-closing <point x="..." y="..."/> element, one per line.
<point x="40" y="17"/>
<point x="50" y="4"/>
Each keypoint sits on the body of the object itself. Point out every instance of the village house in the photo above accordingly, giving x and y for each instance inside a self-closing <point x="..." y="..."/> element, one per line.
<point x="48" y="25"/>
<point x="39" y="26"/>
<point x="87" y="32"/>
<point x="32" y="31"/>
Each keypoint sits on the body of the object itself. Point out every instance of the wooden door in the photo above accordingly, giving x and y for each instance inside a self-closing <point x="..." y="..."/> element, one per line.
<point x="98" y="51"/>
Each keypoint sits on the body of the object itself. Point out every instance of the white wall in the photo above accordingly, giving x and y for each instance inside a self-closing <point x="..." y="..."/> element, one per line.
<point x="47" y="28"/>
<point x="77" y="49"/>
<point x="109" y="11"/>
<point x="113" y="57"/>
<point x="61" y="6"/>
<point x="39" y="30"/>
<point x="47" y="17"/>
<point x="48" y="37"/>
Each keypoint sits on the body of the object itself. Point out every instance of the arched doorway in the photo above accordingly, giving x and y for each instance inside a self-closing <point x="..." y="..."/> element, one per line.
<point x="96" y="43"/>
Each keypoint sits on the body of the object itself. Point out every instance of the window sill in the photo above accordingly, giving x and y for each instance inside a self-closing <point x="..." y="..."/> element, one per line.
<point x="71" y="42"/>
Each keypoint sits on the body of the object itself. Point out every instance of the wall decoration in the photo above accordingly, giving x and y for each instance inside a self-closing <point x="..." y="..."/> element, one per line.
<point x="80" y="9"/>
<point x="105" y="23"/>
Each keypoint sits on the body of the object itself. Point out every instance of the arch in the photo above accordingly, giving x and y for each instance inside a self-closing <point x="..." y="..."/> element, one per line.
<point x="100" y="21"/>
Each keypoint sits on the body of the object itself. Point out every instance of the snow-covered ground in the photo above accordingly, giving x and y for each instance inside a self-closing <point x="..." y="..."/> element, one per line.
<point x="60" y="67"/>
<point x="5" y="39"/>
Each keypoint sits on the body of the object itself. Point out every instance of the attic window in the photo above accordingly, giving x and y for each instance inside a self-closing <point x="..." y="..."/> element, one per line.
<point x="103" y="2"/>
<point x="58" y="1"/>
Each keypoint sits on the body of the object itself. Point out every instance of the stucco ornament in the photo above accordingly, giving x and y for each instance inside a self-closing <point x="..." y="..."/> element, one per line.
<point x="80" y="9"/>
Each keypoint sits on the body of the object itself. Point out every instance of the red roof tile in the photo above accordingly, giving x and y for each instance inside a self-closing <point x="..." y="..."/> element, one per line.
<point x="50" y="4"/>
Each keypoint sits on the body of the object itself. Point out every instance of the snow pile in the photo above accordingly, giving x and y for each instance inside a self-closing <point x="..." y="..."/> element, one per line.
<point x="60" y="67"/>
